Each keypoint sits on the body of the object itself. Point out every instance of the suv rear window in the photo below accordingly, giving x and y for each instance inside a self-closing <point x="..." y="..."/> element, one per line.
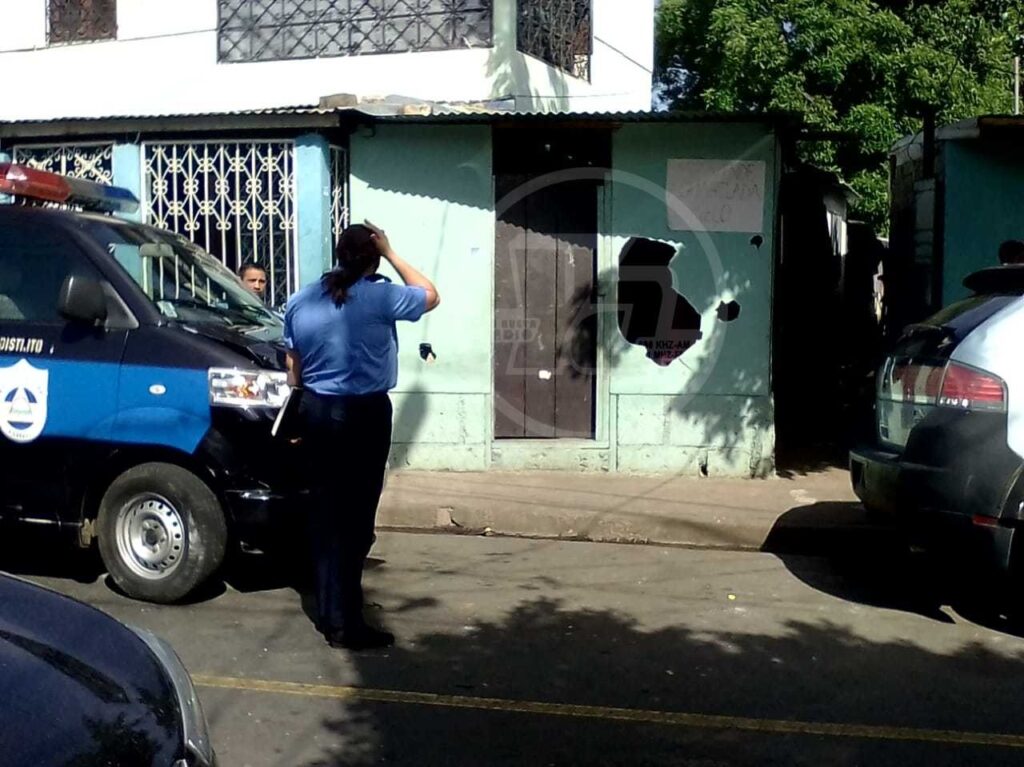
<point x="939" y="335"/>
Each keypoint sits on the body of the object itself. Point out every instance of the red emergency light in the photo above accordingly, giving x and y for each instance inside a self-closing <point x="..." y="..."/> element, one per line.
<point x="42" y="186"/>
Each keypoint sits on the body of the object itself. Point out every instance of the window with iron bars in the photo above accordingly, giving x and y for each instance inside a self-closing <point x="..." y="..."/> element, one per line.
<point x="261" y="30"/>
<point x="80" y="21"/>
<point x="559" y="32"/>
<point x="91" y="161"/>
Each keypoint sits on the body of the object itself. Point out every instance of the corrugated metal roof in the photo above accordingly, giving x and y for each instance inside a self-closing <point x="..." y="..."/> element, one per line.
<point x="610" y="117"/>
<point x="964" y="130"/>
<point x="293" y="110"/>
<point x="281" y="118"/>
<point x="381" y="112"/>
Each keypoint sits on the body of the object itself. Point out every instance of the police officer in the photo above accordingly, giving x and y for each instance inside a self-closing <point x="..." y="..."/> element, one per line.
<point x="343" y="350"/>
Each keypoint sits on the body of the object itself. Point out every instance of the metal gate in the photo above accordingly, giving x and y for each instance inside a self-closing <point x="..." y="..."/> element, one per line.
<point x="339" y="192"/>
<point x="235" y="200"/>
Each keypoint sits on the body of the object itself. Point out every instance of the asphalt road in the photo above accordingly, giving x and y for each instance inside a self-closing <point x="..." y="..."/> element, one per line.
<point x="525" y="652"/>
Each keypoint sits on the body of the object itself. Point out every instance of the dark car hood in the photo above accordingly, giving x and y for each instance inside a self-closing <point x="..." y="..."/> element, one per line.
<point x="267" y="353"/>
<point x="80" y="688"/>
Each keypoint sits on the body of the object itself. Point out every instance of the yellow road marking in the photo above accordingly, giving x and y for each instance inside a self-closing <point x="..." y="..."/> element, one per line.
<point x="640" y="716"/>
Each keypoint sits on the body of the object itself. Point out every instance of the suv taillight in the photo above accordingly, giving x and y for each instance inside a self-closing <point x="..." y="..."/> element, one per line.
<point x="966" y="388"/>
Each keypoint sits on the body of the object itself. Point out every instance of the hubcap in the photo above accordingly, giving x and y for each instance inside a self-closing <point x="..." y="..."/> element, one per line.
<point x="150" y="536"/>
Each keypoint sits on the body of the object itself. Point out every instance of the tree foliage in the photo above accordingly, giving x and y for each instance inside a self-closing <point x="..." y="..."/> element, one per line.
<point x="868" y="69"/>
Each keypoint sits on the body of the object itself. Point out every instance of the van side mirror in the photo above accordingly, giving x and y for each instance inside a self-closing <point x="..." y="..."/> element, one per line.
<point x="82" y="300"/>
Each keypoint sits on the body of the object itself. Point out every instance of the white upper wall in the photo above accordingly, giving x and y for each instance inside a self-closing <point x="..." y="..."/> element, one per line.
<point x="621" y="68"/>
<point x="164" y="61"/>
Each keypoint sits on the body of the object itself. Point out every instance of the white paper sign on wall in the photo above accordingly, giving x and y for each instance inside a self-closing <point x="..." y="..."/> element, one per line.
<point x="720" y="195"/>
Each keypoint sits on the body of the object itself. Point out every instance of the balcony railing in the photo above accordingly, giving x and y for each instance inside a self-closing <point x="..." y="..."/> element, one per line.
<point x="257" y="30"/>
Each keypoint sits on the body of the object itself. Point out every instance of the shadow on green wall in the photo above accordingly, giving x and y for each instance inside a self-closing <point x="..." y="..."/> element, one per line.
<point x="412" y="161"/>
<point x="723" y="390"/>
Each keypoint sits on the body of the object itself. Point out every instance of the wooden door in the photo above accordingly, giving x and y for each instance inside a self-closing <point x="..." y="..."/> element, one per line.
<point x="546" y="340"/>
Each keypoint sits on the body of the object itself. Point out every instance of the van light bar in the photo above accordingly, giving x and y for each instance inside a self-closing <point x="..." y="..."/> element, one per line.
<point x="40" y="185"/>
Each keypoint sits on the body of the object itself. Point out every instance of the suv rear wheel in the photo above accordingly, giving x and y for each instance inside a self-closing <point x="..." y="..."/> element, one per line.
<point x="161" y="532"/>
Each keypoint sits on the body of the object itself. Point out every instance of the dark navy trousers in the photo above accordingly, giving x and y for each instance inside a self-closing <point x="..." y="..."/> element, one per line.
<point x="343" y="455"/>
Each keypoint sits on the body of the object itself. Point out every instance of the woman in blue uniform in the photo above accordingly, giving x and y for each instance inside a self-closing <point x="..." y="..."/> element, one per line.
<point x="343" y="350"/>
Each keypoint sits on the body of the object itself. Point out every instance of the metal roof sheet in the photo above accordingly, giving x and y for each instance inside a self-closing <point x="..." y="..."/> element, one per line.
<point x="382" y="112"/>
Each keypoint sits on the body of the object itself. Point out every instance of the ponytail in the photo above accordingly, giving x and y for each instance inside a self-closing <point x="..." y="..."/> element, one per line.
<point x="337" y="282"/>
<point x="356" y="254"/>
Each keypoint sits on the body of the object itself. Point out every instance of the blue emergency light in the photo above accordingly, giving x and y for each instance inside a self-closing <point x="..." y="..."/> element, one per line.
<point x="42" y="186"/>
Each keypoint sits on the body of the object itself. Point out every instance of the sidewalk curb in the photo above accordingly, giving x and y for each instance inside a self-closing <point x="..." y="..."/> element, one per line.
<point x="755" y="515"/>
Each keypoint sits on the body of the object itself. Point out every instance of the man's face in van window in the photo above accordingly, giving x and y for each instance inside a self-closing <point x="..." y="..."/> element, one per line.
<point x="256" y="280"/>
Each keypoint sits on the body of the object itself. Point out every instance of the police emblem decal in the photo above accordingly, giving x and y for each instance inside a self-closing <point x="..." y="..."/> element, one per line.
<point x="23" y="397"/>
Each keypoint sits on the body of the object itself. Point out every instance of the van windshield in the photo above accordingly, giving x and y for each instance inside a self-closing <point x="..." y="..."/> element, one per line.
<point x="184" y="282"/>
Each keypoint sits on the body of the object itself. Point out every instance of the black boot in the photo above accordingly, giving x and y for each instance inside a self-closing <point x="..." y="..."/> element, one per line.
<point x="361" y="638"/>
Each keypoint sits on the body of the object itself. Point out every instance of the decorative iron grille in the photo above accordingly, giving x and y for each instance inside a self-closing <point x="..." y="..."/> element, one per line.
<point x="270" y="30"/>
<point x="79" y="21"/>
<point x="92" y="162"/>
<point x="236" y="200"/>
<point x="339" y="191"/>
<point x="559" y="32"/>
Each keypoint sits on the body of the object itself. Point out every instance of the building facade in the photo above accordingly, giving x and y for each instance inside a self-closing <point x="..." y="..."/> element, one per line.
<point x="953" y="201"/>
<point x="607" y="274"/>
<point x="607" y="280"/>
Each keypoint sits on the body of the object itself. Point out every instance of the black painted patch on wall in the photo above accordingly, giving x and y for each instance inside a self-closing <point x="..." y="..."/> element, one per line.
<point x="728" y="312"/>
<point x="651" y="313"/>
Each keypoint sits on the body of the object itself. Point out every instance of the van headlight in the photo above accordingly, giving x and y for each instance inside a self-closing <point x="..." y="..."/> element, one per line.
<point x="232" y="387"/>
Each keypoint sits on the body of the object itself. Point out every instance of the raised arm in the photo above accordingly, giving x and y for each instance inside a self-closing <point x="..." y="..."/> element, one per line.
<point x="408" y="273"/>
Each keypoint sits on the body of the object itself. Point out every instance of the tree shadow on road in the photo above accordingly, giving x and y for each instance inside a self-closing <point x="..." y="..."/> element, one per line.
<point x="548" y="652"/>
<point x="777" y="662"/>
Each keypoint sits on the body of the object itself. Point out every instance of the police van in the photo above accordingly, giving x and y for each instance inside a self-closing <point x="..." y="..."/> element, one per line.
<point x="139" y="380"/>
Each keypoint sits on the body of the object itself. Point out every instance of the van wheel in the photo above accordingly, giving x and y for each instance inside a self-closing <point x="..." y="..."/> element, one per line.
<point x="161" y="532"/>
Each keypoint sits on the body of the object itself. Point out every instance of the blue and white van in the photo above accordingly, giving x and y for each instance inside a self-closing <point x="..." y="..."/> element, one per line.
<point x="138" y="383"/>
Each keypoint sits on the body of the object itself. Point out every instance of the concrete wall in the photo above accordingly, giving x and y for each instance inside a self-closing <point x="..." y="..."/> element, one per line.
<point x="710" y="411"/>
<point x="165" y="62"/>
<point x="621" y="66"/>
<point x="983" y="206"/>
<point x="431" y="188"/>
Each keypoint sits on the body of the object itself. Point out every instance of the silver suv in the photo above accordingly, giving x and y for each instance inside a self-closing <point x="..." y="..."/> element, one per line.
<point x="949" y="453"/>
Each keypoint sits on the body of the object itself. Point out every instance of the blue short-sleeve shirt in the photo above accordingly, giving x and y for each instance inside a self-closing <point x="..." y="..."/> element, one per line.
<point x="352" y="348"/>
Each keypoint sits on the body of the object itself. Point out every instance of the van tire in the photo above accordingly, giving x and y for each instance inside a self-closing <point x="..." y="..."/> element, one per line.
<point x="162" y="532"/>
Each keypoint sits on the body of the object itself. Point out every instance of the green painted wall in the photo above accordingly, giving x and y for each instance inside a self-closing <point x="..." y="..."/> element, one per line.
<point x="984" y="205"/>
<point x="431" y="189"/>
<point x="711" y="409"/>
